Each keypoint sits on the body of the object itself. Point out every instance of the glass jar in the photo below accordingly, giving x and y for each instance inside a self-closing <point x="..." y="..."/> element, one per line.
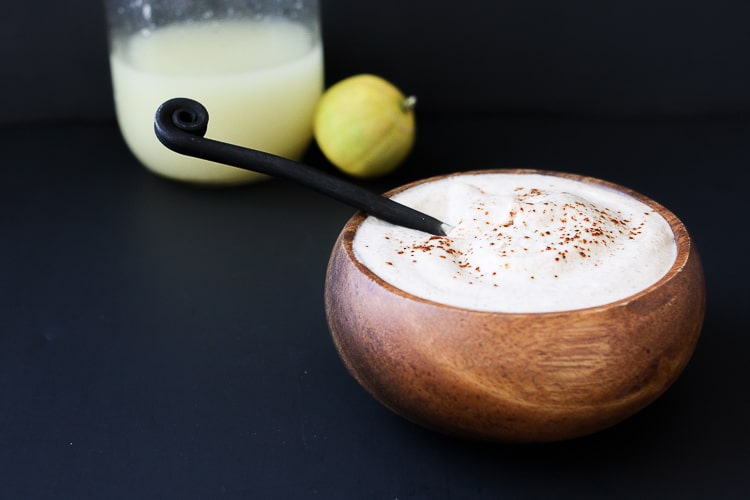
<point x="256" y="65"/>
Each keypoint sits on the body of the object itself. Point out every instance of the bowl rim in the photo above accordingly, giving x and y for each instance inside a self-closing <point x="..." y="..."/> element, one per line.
<point x="683" y="243"/>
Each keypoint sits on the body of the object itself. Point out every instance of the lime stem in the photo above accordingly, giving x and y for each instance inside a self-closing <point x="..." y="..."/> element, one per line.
<point x="409" y="103"/>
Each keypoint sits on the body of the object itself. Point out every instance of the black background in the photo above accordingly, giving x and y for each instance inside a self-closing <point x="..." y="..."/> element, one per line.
<point x="164" y="341"/>
<point x="476" y="56"/>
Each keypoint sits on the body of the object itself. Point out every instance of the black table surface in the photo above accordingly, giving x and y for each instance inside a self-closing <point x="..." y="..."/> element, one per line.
<point x="159" y="340"/>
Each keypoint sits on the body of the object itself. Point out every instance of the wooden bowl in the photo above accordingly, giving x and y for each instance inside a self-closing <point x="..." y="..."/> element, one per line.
<point x="514" y="377"/>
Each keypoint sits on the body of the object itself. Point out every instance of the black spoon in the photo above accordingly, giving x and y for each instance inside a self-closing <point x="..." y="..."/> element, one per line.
<point x="181" y="124"/>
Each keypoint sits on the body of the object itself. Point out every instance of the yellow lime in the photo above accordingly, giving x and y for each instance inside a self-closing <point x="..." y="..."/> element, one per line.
<point x="365" y="126"/>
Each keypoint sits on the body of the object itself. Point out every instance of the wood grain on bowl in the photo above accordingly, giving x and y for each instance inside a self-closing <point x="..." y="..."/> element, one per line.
<point x="522" y="377"/>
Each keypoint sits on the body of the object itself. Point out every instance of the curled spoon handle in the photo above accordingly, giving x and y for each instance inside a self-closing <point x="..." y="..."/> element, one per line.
<point x="181" y="124"/>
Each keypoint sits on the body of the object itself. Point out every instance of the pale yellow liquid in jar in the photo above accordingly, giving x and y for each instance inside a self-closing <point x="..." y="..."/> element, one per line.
<point x="259" y="80"/>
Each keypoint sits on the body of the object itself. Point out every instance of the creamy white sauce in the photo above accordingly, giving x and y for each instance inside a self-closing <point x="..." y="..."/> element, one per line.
<point x="521" y="243"/>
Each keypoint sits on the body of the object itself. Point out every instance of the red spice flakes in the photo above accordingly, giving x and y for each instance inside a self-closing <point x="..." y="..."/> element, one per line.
<point x="575" y="228"/>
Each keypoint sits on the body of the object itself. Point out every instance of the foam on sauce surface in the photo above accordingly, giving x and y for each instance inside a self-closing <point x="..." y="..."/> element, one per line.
<point x="521" y="243"/>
